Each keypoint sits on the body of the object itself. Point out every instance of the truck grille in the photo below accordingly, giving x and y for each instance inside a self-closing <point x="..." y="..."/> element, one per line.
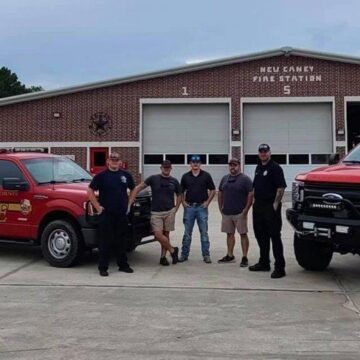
<point x="349" y="192"/>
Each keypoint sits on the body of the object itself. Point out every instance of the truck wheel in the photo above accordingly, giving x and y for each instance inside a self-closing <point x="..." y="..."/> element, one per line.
<point x="61" y="245"/>
<point x="310" y="254"/>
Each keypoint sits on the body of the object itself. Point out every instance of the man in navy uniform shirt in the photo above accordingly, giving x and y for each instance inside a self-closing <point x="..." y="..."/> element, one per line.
<point x="269" y="186"/>
<point x="112" y="207"/>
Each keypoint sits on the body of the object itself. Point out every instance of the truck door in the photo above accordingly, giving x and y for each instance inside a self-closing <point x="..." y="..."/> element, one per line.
<point x="98" y="158"/>
<point x="15" y="205"/>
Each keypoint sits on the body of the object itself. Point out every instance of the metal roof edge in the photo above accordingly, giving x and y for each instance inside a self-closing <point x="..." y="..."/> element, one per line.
<point x="286" y="50"/>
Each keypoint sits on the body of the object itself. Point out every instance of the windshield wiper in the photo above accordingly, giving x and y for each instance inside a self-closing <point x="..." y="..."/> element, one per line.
<point x="52" y="182"/>
<point x="351" y="161"/>
<point x="80" y="180"/>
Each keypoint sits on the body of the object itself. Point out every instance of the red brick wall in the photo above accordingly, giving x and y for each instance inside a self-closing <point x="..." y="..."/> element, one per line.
<point x="80" y="153"/>
<point x="34" y="121"/>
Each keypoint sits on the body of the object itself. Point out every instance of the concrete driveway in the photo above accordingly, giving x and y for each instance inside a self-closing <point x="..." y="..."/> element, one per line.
<point x="189" y="311"/>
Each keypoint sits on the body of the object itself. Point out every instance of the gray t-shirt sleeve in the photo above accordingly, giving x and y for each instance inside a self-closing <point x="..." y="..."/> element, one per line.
<point x="149" y="181"/>
<point x="222" y="183"/>
<point x="248" y="185"/>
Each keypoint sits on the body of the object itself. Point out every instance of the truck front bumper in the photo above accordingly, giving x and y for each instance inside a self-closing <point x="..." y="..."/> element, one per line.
<point x="326" y="229"/>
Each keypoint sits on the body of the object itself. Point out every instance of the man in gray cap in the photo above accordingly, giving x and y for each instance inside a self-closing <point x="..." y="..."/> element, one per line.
<point x="235" y="199"/>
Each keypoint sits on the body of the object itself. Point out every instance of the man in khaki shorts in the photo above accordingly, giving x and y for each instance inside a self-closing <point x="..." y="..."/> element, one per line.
<point x="235" y="199"/>
<point x="163" y="208"/>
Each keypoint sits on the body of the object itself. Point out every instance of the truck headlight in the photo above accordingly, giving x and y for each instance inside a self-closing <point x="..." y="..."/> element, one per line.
<point x="297" y="192"/>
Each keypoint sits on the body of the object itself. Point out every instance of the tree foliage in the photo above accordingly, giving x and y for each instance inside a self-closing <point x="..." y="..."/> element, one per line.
<point x="10" y="84"/>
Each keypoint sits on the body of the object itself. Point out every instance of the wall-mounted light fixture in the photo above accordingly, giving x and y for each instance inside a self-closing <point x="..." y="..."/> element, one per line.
<point x="57" y="115"/>
<point x="340" y="131"/>
<point x="235" y="131"/>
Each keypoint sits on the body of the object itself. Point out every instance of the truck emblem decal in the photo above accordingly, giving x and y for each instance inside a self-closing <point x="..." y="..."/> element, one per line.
<point x="332" y="196"/>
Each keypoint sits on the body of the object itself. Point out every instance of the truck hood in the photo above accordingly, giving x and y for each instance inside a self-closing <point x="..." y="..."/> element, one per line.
<point x="75" y="192"/>
<point x="340" y="173"/>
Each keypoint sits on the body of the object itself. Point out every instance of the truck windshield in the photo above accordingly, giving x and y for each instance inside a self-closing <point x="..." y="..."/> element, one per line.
<point x="353" y="156"/>
<point x="55" y="170"/>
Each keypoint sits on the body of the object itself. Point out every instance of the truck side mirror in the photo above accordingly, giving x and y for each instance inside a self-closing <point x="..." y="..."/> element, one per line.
<point x="334" y="159"/>
<point x="15" y="184"/>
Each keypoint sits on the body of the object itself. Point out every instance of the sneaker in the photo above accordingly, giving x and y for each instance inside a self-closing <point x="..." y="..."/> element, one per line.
<point x="182" y="258"/>
<point x="207" y="259"/>
<point x="244" y="262"/>
<point x="126" y="269"/>
<point x="277" y="274"/>
<point x="164" y="261"/>
<point x="259" y="267"/>
<point x="103" y="273"/>
<point x="227" y="259"/>
<point x="175" y="255"/>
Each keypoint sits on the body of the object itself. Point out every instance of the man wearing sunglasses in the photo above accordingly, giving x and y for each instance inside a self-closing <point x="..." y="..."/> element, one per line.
<point x="198" y="191"/>
<point x="269" y="187"/>
<point x="235" y="199"/>
<point x="112" y="185"/>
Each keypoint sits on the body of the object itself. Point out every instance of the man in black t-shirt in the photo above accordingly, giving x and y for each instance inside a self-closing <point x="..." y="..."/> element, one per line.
<point x="269" y="187"/>
<point x="235" y="199"/>
<point x="198" y="191"/>
<point x="163" y="208"/>
<point x="112" y="204"/>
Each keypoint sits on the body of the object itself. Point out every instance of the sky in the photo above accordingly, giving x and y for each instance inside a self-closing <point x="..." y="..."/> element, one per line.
<point x="61" y="43"/>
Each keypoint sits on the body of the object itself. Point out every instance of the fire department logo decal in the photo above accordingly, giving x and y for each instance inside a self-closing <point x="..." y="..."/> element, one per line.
<point x="25" y="206"/>
<point x="100" y="123"/>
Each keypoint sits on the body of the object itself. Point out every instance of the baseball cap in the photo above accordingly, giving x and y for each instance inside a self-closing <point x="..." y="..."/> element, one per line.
<point x="195" y="158"/>
<point x="264" y="147"/>
<point x="166" y="164"/>
<point x="234" y="161"/>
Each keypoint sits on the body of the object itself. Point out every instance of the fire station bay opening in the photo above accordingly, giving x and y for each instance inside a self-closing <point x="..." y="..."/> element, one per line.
<point x="353" y="124"/>
<point x="300" y="135"/>
<point x="176" y="131"/>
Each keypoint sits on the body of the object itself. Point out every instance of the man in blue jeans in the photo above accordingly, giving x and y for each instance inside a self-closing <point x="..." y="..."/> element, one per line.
<point x="198" y="191"/>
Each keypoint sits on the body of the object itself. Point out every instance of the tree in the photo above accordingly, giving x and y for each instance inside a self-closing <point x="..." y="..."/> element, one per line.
<point x="10" y="85"/>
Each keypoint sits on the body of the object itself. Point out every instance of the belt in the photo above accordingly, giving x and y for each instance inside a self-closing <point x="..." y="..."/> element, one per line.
<point x="194" y="204"/>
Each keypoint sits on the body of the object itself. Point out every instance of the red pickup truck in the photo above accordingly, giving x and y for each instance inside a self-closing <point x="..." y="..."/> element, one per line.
<point x="325" y="212"/>
<point x="43" y="201"/>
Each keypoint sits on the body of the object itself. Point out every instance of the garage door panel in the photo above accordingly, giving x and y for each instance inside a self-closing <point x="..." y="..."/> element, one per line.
<point x="186" y="129"/>
<point x="302" y="128"/>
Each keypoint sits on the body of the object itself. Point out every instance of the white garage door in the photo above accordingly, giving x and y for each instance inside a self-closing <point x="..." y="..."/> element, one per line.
<point x="300" y="135"/>
<point x="175" y="131"/>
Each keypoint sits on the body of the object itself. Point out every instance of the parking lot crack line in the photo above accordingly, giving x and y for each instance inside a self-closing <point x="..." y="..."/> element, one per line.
<point x="349" y="304"/>
<point x="18" y="269"/>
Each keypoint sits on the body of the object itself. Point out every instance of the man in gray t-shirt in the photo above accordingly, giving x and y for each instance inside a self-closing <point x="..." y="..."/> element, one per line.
<point x="235" y="199"/>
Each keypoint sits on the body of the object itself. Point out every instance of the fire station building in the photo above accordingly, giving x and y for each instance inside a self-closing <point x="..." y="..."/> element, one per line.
<point x="304" y="104"/>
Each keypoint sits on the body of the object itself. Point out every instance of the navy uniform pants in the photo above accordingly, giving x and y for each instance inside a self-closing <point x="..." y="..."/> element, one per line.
<point x="267" y="225"/>
<point x="112" y="231"/>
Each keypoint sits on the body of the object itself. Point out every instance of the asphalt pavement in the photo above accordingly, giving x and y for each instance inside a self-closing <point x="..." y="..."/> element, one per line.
<point x="191" y="310"/>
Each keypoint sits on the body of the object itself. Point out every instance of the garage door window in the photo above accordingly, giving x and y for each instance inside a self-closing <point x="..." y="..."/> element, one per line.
<point x="299" y="159"/>
<point x="218" y="159"/>
<point x="320" y="158"/>
<point x="176" y="159"/>
<point x="153" y="159"/>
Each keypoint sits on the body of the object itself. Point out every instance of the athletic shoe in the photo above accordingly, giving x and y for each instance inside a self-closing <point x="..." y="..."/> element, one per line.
<point x="164" y="261"/>
<point x="182" y="259"/>
<point x="126" y="269"/>
<point x="259" y="267"/>
<point x="207" y="259"/>
<point x="103" y="273"/>
<point x="277" y="274"/>
<point x="244" y="262"/>
<point x="227" y="259"/>
<point x="175" y="255"/>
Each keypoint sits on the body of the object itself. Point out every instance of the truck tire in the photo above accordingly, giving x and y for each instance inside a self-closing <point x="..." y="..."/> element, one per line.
<point x="61" y="244"/>
<point x="310" y="254"/>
